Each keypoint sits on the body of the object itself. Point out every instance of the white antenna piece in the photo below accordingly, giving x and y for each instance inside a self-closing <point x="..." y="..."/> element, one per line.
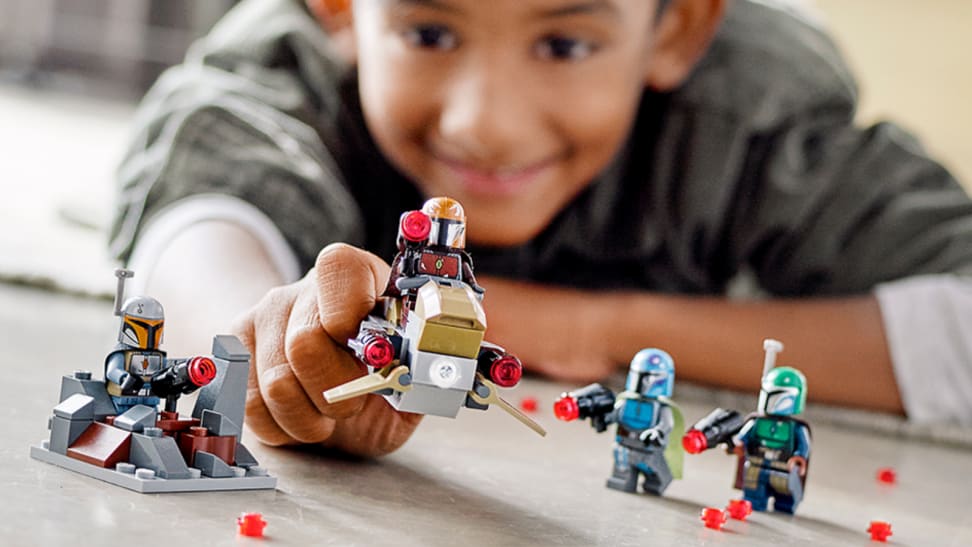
<point x="771" y="347"/>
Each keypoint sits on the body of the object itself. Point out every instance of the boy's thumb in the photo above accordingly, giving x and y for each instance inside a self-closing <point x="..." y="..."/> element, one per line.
<point x="349" y="282"/>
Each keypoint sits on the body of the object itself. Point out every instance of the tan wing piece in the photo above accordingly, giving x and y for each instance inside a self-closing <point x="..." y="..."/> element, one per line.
<point x="375" y="381"/>
<point x="493" y="398"/>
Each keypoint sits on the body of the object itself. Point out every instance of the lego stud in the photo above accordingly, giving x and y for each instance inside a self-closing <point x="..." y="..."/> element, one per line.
<point x="251" y="525"/>
<point x="506" y="371"/>
<point x="566" y="408"/>
<point x="528" y="404"/>
<point x="444" y="373"/>
<point x="416" y="226"/>
<point x="694" y="441"/>
<point x="887" y="475"/>
<point x="713" y="517"/>
<point x="739" y="509"/>
<point x="378" y="353"/>
<point x="879" y="530"/>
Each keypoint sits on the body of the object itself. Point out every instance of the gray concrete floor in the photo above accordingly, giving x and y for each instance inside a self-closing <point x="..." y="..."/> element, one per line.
<point x="481" y="479"/>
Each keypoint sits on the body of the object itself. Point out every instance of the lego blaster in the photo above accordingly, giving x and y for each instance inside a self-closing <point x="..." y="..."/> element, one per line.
<point x="181" y="378"/>
<point x="594" y="401"/>
<point x="373" y="346"/>
<point x="716" y="428"/>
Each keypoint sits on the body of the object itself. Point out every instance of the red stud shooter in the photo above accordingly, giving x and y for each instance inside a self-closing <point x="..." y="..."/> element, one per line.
<point x="887" y="475"/>
<point x="879" y="530"/>
<point x="739" y="509"/>
<point x="251" y="525"/>
<point x="713" y="517"/>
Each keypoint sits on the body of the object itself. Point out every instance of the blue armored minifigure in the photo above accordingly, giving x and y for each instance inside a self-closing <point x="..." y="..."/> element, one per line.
<point x="646" y="419"/>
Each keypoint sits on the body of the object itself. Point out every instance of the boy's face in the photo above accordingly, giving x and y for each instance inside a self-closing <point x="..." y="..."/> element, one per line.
<point x="511" y="107"/>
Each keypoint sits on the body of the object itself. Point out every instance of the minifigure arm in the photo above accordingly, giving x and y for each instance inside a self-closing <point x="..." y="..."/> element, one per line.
<point x="802" y="442"/>
<point x="468" y="276"/>
<point x="115" y="368"/>
<point x="740" y="439"/>
<point x="588" y="334"/>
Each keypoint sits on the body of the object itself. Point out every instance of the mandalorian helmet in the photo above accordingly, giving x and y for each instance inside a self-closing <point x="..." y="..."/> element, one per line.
<point x="142" y="322"/>
<point x="784" y="392"/>
<point x="651" y="374"/>
<point x="448" y="222"/>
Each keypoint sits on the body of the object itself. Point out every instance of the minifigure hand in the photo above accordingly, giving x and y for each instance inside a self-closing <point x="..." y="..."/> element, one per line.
<point x="797" y="461"/>
<point x="129" y="382"/>
<point x="297" y="335"/>
<point x="652" y="436"/>
<point x="738" y="449"/>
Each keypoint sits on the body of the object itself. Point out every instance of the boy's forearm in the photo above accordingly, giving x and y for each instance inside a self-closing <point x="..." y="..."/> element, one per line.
<point x="837" y="342"/>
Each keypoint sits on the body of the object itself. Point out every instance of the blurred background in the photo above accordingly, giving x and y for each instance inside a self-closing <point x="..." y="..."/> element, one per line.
<point x="71" y="72"/>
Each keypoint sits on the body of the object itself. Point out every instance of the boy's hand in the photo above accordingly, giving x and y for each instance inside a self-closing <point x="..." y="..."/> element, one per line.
<point x="297" y="335"/>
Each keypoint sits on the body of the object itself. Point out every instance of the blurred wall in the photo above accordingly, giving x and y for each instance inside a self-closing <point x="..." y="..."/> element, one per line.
<point x="913" y="65"/>
<point x="112" y="46"/>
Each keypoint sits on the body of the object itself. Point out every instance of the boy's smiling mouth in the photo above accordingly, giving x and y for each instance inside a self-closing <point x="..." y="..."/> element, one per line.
<point x="496" y="182"/>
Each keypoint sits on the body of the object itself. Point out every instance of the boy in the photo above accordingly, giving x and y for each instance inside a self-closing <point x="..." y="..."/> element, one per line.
<point x="620" y="162"/>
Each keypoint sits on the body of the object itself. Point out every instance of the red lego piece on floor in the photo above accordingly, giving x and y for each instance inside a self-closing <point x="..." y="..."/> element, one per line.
<point x="528" y="404"/>
<point x="879" y="530"/>
<point x="739" y="509"/>
<point x="101" y="445"/>
<point x="714" y="518"/>
<point x="887" y="475"/>
<point x="251" y="525"/>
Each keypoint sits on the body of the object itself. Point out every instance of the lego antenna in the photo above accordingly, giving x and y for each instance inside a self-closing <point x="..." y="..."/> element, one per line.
<point x="122" y="274"/>
<point x="771" y="347"/>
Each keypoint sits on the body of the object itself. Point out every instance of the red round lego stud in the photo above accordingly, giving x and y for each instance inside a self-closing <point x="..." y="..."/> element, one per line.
<point x="694" y="441"/>
<point x="887" y="475"/>
<point x="566" y="408"/>
<point x="879" y="530"/>
<point x="416" y="226"/>
<point x="251" y="525"/>
<point x="713" y="517"/>
<point x="739" y="509"/>
<point x="528" y="404"/>
<point x="506" y="371"/>
<point x="379" y="352"/>
<point x="201" y="371"/>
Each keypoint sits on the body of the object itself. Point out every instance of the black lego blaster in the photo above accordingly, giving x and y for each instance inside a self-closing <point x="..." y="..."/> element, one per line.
<point x="716" y="428"/>
<point x="594" y="401"/>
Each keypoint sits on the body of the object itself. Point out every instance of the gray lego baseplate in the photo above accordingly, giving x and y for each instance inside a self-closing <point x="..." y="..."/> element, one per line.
<point x="250" y="481"/>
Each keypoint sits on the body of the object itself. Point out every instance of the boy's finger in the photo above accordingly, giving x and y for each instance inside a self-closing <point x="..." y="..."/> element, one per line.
<point x="318" y="362"/>
<point x="377" y="430"/>
<point x="350" y="281"/>
<point x="258" y="417"/>
<point x="290" y="406"/>
<point x="283" y="396"/>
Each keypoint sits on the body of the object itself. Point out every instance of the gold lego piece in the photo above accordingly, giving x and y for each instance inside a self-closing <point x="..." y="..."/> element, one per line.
<point x="376" y="381"/>
<point x="493" y="398"/>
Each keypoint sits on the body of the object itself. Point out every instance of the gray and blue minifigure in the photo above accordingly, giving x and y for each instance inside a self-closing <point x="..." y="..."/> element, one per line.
<point x="646" y="420"/>
<point x="137" y="372"/>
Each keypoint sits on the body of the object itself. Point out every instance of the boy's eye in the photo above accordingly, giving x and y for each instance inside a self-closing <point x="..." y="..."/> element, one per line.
<point x="562" y="48"/>
<point x="431" y="37"/>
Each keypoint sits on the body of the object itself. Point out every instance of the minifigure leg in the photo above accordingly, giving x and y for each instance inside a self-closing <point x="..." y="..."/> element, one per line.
<point x="657" y="479"/>
<point x="624" y="477"/>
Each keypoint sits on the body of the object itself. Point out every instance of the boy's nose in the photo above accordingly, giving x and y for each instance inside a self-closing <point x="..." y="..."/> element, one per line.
<point x="485" y="117"/>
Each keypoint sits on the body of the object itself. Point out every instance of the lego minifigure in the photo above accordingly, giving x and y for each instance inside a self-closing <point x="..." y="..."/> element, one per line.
<point x="111" y="429"/>
<point x="772" y="444"/>
<point x="646" y="419"/>
<point x="431" y="245"/>
<point x="137" y="371"/>
<point x="425" y="350"/>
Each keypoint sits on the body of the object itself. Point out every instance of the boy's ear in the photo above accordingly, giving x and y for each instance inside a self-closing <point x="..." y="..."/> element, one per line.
<point x="335" y="17"/>
<point x="683" y="33"/>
